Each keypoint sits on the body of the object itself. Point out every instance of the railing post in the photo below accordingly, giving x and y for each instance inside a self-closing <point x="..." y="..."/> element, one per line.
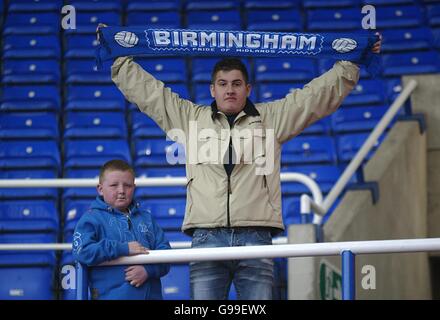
<point x="82" y="287"/>
<point x="348" y="275"/>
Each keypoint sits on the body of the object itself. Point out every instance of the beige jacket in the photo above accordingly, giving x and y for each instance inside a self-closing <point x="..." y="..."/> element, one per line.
<point x="252" y="194"/>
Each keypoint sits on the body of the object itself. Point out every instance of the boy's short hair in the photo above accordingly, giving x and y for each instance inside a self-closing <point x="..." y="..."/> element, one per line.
<point x="115" y="165"/>
<point x="229" y="64"/>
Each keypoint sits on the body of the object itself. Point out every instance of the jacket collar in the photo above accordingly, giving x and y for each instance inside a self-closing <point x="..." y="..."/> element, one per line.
<point x="249" y="109"/>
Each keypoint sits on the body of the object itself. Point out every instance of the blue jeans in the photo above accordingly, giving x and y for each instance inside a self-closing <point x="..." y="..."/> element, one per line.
<point x="252" y="278"/>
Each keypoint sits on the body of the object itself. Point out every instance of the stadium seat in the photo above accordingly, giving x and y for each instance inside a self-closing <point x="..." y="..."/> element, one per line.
<point x="387" y="2"/>
<point x="398" y="64"/>
<point x="80" y="193"/>
<point x="158" y="152"/>
<point x="357" y="119"/>
<point x="268" y="4"/>
<point x="367" y="92"/>
<point x="23" y="71"/>
<point x="324" y="175"/>
<point x="270" y="91"/>
<point x="154" y="19"/>
<point x="175" y="285"/>
<point x="73" y="211"/>
<point x="85" y="71"/>
<point x="28" y="216"/>
<point x="168" y="213"/>
<point x="31" y="46"/>
<point x="80" y="45"/>
<point x="326" y="64"/>
<point x="142" y="126"/>
<point x="160" y="192"/>
<point x="433" y="14"/>
<point x="31" y="98"/>
<point x="97" y="5"/>
<point x="35" y="6"/>
<point x="214" y="20"/>
<point x="311" y="4"/>
<point x="29" y="153"/>
<point x="29" y="125"/>
<point x="32" y="23"/>
<point x="67" y="275"/>
<point x="153" y="5"/>
<point x="165" y="69"/>
<point x="94" y="153"/>
<point x="284" y="69"/>
<point x="94" y="98"/>
<point x="93" y="18"/>
<point x="320" y="127"/>
<point x="406" y="39"/>
<point x="399" y="16"/>
<point x="285" y="19"/>
<point x="349" y="144"/>
<point x="29" y="193"/>
<point x="308" y="149"/>
<point x="393" y="88"/>
<point x="333" y="19"/>
<point x="191" y="5"/>
<point x="95" y="125"/>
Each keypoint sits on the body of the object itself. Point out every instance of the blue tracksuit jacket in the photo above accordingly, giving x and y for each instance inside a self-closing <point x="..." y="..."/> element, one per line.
<point x="102" y="234"/>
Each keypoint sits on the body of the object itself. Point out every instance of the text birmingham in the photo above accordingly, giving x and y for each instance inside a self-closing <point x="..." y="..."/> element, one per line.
<point x="237" y="41"/>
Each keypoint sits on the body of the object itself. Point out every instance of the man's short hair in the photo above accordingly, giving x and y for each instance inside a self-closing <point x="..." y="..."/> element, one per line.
<point x="229" y="64"/>
<point x="115" y="165"/>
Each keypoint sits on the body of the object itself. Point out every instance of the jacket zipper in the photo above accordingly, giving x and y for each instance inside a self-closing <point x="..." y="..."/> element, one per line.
<point x="229" y="193"/>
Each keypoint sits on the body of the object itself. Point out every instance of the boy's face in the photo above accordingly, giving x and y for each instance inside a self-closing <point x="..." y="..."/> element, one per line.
<point x="117" y="189"/>
<point x="230" y="91"/>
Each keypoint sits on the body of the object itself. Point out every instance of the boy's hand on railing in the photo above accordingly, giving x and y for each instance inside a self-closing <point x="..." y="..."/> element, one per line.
<point x="135" y="248"/>
<point x="136" y="275"/>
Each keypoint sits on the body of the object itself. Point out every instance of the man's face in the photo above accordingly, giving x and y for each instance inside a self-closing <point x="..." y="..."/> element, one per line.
<point x="117" y="188"/>
<point x="230" y="91"/>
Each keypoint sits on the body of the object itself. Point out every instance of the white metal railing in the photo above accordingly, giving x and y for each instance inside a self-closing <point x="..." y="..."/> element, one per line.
<point x="321" y="209"/>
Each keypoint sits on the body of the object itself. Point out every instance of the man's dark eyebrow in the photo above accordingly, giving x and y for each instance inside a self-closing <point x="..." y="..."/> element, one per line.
<point x="235" y="80"/>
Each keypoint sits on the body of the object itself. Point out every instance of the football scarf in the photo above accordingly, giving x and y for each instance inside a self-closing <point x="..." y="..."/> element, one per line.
<point x="135" y="41"/>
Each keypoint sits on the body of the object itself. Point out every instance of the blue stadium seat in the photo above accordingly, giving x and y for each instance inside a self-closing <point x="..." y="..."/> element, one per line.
<point x="168" y="213"/>
<point x="31" y="46"/>
<point x="308" y="149"/>
<point x="92" y="18"/>
<point x="95" y="125"/>
<point x="28" y="216"/>
<point x="97" y="5"/>
<point x="35" y="6"/>
<point x="410" y="63"/>
<point x="29" y="193"/>
<point x="80" y="193"/>
<point x="25" y="125"/>
<point x="142" y="126"/>
<point x="32" y="23"/>
<point x="165" y="69"/>
<point x="154" y="19"/>
<point x="158" y="152"/>
<point x="333" y="19"/>
<point x="268" y="4"/>
<point x="326" y="64"/>
<point x="320" y="127"/>
<point x="29" y="154"/>
<point x="214" y="20"/>
<point x="284" y="69"/>
<point x="179" y="88"/>
<point x="433" y="13"/>
<point x="291" y="206"/>
<point x="175" y="285"/>
<point x="367" y="92"/>
<point x="407" y="39"/>
<point x="436" y="34"/>
<point x="31" y="98"/>
<point x="357" y="119"/>
<point x="22" y="71"/>
<point x="399" y="16"/>
<point x="387" y="2"/>
<point x="153" y="5"/>
<point x="73" y="211"/>
<point x="27" y="275"/>
<point x="310" y="4"/>
<point x="393" y="88"/>
<point x="160" y="192"/>
<point x="324" y="175"/>
<point x="94" y="98"/>
<point x="85" y="71"/>
<point x="273" y="91"/>
<point x="349" y="144"/>
<point x="211" y="5"/>
<point x="80" y="45"/>
<point x="94" y="153"/>
<point x="67" y="270"/>
<point x="285" y="19"/>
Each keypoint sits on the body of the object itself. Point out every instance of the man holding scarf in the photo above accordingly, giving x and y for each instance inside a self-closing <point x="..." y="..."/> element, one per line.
<point x="234" y="193"/>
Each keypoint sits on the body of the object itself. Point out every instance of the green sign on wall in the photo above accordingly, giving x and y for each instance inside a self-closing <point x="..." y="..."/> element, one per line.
<point x="330" y="281"/>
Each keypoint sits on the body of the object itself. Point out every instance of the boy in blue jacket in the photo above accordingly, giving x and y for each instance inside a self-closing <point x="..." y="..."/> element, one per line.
<point x="116" y="226"/>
